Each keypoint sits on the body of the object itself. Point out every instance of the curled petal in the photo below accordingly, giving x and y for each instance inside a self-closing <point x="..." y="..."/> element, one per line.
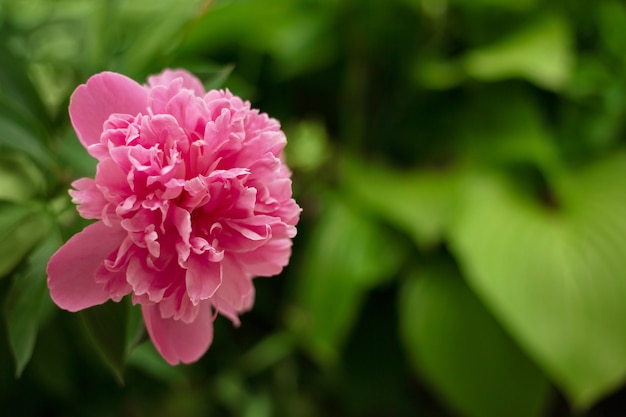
<point x="72" y="269"/>
<point x="203" y="278"/>
<point x="176" y="340"/>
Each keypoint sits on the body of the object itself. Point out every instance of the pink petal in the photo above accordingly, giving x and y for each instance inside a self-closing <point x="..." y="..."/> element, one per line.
<point x="236" y="294"/>
<point x="176" y="340"/>
<point x="167" y="76"/>
<point x="203" y="278"/>
<point x="268" y="260"/>
<point x="72" y="269"/>
<point x="104" y="94"/>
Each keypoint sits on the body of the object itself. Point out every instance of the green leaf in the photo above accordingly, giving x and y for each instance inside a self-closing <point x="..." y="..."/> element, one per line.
<point x="521" y="5"/>
<point x="554" y="273"/>
<point x="610" y="21"/>
<point x="238" y="22"/>
<point x="308" y="146"/>
<point x="216" y="78"/>
<point x="347" y="255"/>
<point x="540" y="53"/>
<point x="25" y="301"/>
<point x="160" y="37"/>
<point x="20" y="180"/>
<point x="418" y="202"/>
<point x="16" y="86"/>
<point x="21" y="227"/>
<point x="490" y="133"/>
<point x="463" y="353"/>
<point x="107" y="327"/>
<point x="146" y="358"/>
<point x="17" y="135"/>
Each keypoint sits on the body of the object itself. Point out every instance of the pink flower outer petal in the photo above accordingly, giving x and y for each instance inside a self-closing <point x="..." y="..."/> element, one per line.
<point x="176" y="340"/>
<point x="72" y="269"/>
<point x="104" y="94"/>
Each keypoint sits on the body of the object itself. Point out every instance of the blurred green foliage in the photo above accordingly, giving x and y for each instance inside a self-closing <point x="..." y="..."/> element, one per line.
<point x="461" y="167"/>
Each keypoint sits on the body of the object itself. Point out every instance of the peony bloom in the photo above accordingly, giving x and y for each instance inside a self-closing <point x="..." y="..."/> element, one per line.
<point x="192" y="200"/>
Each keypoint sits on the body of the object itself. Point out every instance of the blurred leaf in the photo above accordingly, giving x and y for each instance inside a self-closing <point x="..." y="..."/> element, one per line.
<point x="20" y="180"/>
<point x="347" y="254"/>
<point x="160" y="37"/>
<point x="541" y="53"/>
<point x="554" y="271"/>
<point x="239" y="22"/>
<point x="146" y="358"/>
<point x="418" y="202"/>
<point x="308" y="146"/>
<point x="216" y="78"/>
<point x="25" y="300"/>
<point x="15" y="133"/>
<point x="267" y="352"/>
<point x="107" y="325"/>
<point x="437" y="74"/>
<point x="611" y="18"/>
<point x="74" y="156"/>
<point x="519" y="5"/>
<point x="517" y="133"/>
<point x="16" y="86"/>
<point x="298" y="38"/>
<point x="463" y="353"/>
<point x="135" y="330"/>
<point x="21" y="227"/>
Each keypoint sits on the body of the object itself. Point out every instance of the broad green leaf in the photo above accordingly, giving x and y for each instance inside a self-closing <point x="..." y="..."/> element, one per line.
<point x="107" y="326"/>
<point x="490" y="133"/>
<point x="25" y="301"/>
<point x="462" y="351"/>
<point x="540" y="53"/>
<point x="418" y="202"/>
<point x="554" y="274"/>
<point x="347" y="255"/>
<point x="21" y="227"/>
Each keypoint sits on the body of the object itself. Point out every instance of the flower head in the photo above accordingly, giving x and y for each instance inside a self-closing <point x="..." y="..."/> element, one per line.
<point x="192" y="200"/>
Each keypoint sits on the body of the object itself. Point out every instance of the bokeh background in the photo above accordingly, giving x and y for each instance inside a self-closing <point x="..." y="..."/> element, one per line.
<point x="461" y="167"/>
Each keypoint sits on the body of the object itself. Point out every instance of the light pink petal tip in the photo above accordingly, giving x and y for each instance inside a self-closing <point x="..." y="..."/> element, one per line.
<point x="189" y="81"/>
<point x="72" y="269"/>
<point x="176" y="340"/>
<point x="104" y="94"/>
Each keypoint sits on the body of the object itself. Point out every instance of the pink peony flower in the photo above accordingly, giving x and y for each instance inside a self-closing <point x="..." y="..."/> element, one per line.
<point x="192" y="200"/>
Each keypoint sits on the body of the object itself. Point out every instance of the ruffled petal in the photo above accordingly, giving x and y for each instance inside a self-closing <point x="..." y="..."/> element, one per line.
<point x="104" y="94"/>
<point x="203" y="278"/>
<point x="176" y="340"/>
<point x="72" y="269"/>
<point x="167" y="76"/>
<point x="236" y="293"/>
